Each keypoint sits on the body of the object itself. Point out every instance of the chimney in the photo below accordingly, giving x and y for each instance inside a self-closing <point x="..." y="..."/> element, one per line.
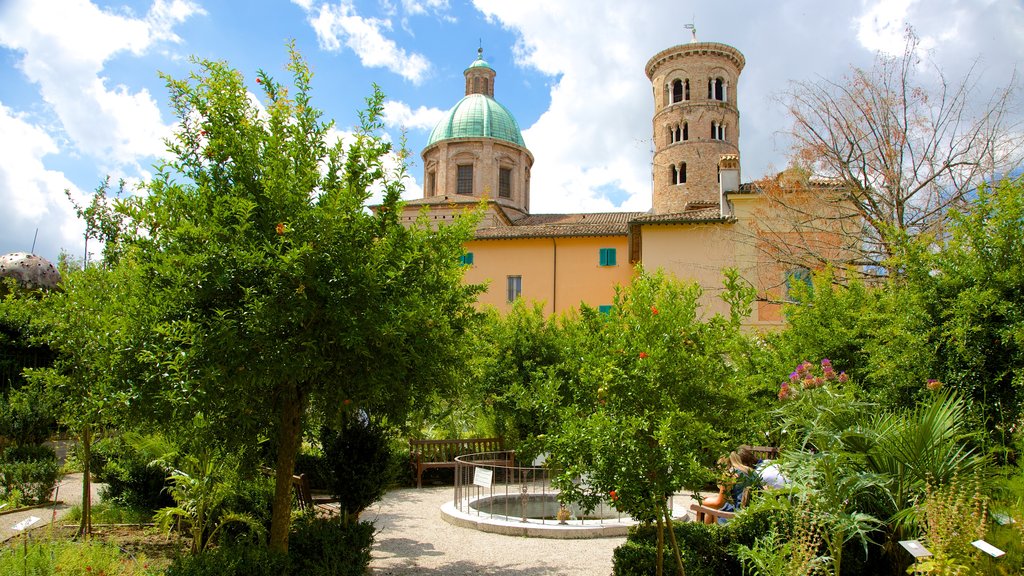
<point x="729" y="181"/>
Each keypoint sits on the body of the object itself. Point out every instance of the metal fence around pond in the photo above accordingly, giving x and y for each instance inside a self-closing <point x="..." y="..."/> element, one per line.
<point x="494" y="484"/>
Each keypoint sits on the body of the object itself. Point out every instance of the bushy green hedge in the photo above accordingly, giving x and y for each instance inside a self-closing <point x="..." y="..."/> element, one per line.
<point x="131" y="479"/>
<point x="318" y="546"/>
<point x="706" y="548"/>
<point x="31" y="470"/>
<point x="321" y="546"/>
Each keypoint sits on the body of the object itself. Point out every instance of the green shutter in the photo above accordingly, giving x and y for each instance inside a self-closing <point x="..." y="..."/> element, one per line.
<point x="466" y="259"/>
<point x="605" y="309"/>
<point x="607" y="257"/>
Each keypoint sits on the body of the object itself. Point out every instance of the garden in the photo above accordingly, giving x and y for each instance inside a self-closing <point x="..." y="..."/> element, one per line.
<point x="252" y="321"/>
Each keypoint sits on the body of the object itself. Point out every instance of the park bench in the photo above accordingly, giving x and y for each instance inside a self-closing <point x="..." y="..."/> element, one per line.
<point x="427" y="454"/>
<point x="310" y="501"/>
<point x="707" y="515"/>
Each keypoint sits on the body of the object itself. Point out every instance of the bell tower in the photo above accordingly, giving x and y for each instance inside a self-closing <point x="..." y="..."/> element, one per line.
<point x="696" y="123"/>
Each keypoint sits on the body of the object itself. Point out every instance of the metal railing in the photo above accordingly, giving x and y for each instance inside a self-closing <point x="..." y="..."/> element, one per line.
<point x="509" y="488"/>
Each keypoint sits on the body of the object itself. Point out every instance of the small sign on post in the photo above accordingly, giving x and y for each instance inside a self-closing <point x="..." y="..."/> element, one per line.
<point x="20" y="526"/>
<point x="988" y="548"/>
<point x="483" y="477"/>
<point x="916" y="549"/>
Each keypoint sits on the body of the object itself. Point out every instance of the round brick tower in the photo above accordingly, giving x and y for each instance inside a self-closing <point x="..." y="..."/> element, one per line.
<point x="696" y="122"/>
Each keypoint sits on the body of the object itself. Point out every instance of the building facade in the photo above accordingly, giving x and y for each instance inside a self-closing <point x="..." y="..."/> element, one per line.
<point x="702" y="219"/>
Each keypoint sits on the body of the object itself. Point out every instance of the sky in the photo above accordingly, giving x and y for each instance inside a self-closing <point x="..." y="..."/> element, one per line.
<point x="81" y="98"/>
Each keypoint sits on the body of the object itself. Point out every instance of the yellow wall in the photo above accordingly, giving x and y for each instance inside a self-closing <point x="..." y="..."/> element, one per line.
<point x="560" y="272"/>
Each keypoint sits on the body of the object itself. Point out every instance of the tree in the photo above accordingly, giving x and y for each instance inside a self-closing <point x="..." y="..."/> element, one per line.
<point x="885" y="154"/>
<point x="656" y="395"/>
<point x="274" y="290"/>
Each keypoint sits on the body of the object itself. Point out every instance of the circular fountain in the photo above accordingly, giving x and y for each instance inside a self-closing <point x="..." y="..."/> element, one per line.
<point x="494" y="494"/>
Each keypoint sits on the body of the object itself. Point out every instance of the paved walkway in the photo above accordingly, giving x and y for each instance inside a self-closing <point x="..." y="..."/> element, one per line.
<point x="68" y="494"/>
<point x="412" y="538"/>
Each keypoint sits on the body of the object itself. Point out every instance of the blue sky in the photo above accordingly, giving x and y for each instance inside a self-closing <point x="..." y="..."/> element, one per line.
<point x="80" y="98"/>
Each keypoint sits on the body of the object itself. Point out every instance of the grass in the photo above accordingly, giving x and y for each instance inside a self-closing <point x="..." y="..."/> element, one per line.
<point x="110" y="513"/>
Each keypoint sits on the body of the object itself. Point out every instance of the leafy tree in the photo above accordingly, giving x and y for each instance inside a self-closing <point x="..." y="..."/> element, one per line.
<point x="87" y="325"/>
<point x="899" y="154"/>
<point x="656" y="392"/>
<point x="274" y="291"/>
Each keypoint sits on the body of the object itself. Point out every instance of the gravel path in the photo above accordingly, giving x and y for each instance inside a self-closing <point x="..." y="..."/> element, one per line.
<point x="412" y="538"/>
<point x="68" y="494"/>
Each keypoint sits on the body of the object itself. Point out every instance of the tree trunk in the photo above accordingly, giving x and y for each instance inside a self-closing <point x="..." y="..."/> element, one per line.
<point x="660" y="559"/>
<point x="672" y="536"/>
<point x="288" y="436"/>
<point x="85" y="526"/>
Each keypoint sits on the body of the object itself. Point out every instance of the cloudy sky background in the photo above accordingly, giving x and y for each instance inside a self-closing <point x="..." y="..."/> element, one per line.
<point x="80" y="98"/>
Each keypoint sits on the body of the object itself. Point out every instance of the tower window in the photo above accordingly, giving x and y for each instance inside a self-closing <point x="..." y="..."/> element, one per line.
<point x="675" y="175"/>
<point x="677" y="134"/>
<point x="711" y="88"/>
<point x="717" y="131"/>
<point x="686" y="89"/>
<point x="677" y="91"/>
<point x="514" y="287"/>
<point x="719" y="89"/>
<point x="686" y="131"/>
<point x="504" y="182"/>
<point x="682" y="173"/>
<point x="431" y="184"/>
<point x="465" y="181"/>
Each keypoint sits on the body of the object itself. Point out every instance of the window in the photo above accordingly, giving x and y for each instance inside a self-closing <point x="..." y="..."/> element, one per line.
<point x="710" y="88"/>
<point x="677" y="91"/>
<point x="515" y="287"/>
<point x="686" y="131"/>
<point x="682" y="173"/>
<point x="686" y="89"/>
<point x="675" y="177"/>
<point x="431" y="183"/>
<point x="798" y="284"/>
<point x="466" y="259"/>
<point x="719" y="89"/>
<point x="605" y="309"/>
<point x="607" y="255"/>
<point x="465" y="183"/>
<point x="717" y="131"/>
<point x="504" y="182"/>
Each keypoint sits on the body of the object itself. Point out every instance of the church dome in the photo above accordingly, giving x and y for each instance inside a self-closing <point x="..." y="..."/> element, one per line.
<point x="477" y="116"/>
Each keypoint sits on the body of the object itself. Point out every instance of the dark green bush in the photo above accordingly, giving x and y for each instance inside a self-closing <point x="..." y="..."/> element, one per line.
<point x="26" y="417"/>
<point x="131" y="479"/>
<point x="232" y="560"/>
<point x="359" y="455"/>
<point x="706" y="548"/>
<point x="31" y="470"/>
<point x="252" y="497"/>
<point x="321" y="546"/>
<point x="315" y="467"/>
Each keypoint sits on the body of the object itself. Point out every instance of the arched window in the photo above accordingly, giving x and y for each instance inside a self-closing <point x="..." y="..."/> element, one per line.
<point x="675" y="175"/>
<point x="686" y="131"/>
<point x="476" y="85"/>
<point x="677" y="91"/>
<point x="671" y="135"/>
<point x="682" y="173"/>
<point x="719" y="89"/>
<point x="710" y="88"/>
<point x="686" y="89"/>
<point x="678" y="134"/>
<point x="714" y="130"/>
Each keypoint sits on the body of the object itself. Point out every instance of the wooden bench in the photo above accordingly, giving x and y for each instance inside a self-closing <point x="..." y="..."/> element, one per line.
<point x="427" y="454"/>
<point x="308" y="500"/>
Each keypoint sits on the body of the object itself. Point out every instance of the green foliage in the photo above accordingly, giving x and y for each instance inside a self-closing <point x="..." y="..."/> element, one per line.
<point x="131" y="477"/>
<point x="46" y="558"/>
<point x="27" y="416"/>
<point x="31" y="471"/>
<point x="232" y="560"/>
<point x="329" y="546"/>
<point x="359" y="457"/>
<point x="111" y="513"/>
<point x="707" y="549"/>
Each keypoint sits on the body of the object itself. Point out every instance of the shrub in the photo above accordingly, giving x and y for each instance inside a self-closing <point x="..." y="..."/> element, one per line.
<point x="252" y="498"/>
<point x="707" y="549"/>
<point x="232" y="560"/>
<point x="30" y="470"/>
<point x="360" y="458"/>
<point x="315" y="466"/>
<point x="131" y="479"/>
<point x="26" y="417"/>
<point x="321" y="546"/>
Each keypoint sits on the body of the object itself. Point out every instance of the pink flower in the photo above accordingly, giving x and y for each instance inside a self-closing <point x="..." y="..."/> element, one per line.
<point x="843" y="377"/>
<point x="933" y="384"/>
<point x="280" y="228"/>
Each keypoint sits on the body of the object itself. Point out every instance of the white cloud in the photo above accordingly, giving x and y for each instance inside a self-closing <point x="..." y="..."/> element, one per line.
<point x="401" y="115"/>
<point x="63" y="50"/>
<point x="339" y="24"/>
<point x="32" y="195"/>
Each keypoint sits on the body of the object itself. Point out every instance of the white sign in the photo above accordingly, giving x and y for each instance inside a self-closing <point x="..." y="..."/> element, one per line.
<point x="483" y="476"/>
<point x="916" y="549"/>
<point x="988" y="548"/>
<point x="25" y="523"/>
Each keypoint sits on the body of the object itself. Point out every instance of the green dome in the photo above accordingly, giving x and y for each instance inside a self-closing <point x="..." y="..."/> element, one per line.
<point x="477" y="116"/>
<point x="480" y="63"/>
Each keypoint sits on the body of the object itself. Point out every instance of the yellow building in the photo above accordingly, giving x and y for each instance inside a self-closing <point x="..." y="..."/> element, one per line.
<point x="701" y="221"/>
